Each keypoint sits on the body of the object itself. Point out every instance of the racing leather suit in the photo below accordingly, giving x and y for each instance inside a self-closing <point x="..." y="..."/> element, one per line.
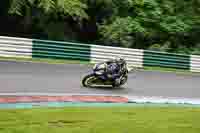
<point x="113" y="71"/>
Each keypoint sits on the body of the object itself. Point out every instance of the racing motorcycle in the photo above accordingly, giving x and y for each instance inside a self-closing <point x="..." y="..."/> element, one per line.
<point x="97" y="77"/>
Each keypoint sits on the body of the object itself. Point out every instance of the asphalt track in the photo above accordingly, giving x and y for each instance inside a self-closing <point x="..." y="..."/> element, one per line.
<point x="21" y="77"/>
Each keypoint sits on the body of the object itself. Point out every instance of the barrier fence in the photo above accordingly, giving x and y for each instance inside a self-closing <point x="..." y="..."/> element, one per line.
<point x="15" y="47"/>
<point x="162" y="59"/>
<point x="34" y="48"/>
<point x="60" y="50"/>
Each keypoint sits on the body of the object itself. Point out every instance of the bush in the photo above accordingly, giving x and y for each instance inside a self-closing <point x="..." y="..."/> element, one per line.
<point x="155" y="47"/>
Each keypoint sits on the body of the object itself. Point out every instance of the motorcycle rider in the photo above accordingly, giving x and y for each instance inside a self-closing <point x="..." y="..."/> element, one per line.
<point x="114" y="69"/>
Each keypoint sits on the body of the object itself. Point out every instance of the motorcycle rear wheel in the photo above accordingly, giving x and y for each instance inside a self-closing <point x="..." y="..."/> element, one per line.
<point x="88" y="80"/>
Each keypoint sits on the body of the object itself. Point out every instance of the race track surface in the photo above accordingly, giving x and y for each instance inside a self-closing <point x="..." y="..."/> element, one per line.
<point x="19" y="77"/>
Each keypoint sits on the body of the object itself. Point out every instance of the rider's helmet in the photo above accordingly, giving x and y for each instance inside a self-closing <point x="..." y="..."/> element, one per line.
<point x="119" y="60"/>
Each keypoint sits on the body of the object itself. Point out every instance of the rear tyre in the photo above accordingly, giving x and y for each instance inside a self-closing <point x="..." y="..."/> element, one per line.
<point x="88" y="80"/>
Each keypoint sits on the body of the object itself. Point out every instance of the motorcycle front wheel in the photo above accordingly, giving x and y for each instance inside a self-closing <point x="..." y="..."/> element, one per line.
<point x="122" y="82"/>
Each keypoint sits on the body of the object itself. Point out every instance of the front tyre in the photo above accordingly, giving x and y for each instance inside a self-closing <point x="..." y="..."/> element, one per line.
<point x="88" y="80"/>
<point x="123" y="80"/>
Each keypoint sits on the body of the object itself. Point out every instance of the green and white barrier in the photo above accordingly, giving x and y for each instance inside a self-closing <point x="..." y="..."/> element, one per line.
<point x="134" y="57"/>
<point x="34" y="48"/>
<point x="163" y="59"/>
<point x="195" y="63"/>
<point x="15" y="47"/>
<point x="60" y="50"/>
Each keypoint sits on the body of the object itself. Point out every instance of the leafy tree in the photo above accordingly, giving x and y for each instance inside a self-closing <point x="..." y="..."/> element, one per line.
<point x="153" y="21"/>
<point x="163" y="25"/>
<point x="49" y="15"/>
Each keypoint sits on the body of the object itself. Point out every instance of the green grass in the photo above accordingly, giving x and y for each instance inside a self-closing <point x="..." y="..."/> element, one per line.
<point x="165" y="69"/>
<point x="101" y="120"/>
<point x="40" y="60"/>
<point x="58" y="61"/>
<point x="180" y="71"/>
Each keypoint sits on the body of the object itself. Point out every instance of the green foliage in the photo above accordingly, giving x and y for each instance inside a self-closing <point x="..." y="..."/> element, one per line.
<point x="155" y="47"/>
<point x="50" y="15"/>
<point x="173" y="25"/>
<point x="66" y="7"/>
<point x="158" y="22"/>
<point x="119" y="32"/>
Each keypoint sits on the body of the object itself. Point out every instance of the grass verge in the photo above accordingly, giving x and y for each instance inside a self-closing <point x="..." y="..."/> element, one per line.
<point x="59" y="61"/>
<point x="101" y="120"/>
<point x="40" y="60"/>
<point x="180" y="71"/>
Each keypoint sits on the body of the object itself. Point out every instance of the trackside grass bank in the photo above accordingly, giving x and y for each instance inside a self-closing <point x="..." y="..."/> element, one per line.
<point x="59" y="61"/>
<point x="40" y="60"/>
<point x="142" y="119"/>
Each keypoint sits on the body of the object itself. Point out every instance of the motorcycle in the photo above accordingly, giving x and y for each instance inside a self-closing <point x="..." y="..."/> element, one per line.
<point x="97" y="77"/>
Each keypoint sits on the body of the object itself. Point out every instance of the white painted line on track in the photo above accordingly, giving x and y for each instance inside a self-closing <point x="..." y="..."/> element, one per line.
<point x="170" y="100"/>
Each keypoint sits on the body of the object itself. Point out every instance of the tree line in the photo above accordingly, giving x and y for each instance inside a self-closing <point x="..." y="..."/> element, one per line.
<point x="162" y="25"/>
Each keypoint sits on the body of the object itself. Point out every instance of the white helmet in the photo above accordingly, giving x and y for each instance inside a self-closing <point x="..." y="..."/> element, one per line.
<point x="119" y="59"/>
